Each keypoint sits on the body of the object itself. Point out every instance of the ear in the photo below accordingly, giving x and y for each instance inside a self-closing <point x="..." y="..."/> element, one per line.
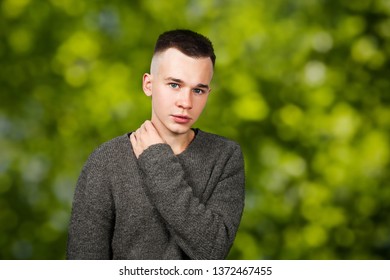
<point x="147" y="84"/>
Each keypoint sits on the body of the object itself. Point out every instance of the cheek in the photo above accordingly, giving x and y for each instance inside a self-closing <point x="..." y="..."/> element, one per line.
<point x="201" y="104"/>
<point x="161" y="100"/>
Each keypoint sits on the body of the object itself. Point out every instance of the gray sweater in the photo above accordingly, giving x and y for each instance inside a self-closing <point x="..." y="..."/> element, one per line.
<point x="161" y="206"/>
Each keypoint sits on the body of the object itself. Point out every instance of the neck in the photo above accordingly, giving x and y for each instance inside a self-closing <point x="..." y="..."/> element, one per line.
<point x="177" y="141"/>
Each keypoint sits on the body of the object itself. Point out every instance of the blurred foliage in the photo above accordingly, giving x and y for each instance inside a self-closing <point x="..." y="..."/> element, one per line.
<point x="300" y="84"/>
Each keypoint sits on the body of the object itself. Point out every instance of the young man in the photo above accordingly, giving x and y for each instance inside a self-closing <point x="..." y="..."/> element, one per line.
<point x="165" y="191"/>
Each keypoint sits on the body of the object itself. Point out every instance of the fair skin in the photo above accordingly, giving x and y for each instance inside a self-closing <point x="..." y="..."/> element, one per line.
<point x="179" y="86"/>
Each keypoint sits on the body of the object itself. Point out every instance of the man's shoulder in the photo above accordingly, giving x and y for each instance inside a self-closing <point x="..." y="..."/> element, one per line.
<point x="218" y="150"/>
<point x="217" y="141"/>
<point x="112" y="148"/>
<point x="216" y="138"/>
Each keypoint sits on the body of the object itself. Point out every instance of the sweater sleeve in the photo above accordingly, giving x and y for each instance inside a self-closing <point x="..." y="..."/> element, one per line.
<point x="203" y="230"/>
<point x="91" y="224"/>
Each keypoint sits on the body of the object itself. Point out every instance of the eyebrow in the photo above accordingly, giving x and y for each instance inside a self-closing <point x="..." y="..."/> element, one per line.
<point x="179" y="81"/>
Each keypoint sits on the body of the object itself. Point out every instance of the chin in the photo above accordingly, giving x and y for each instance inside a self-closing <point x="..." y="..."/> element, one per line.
<point x="179" y="129"/>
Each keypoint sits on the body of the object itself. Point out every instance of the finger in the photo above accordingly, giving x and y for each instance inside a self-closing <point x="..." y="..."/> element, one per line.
<point x="141" y="132"/>
<point x="133" y="140"/>
<point x="150" y="127"/>
<point x="145" y="125"/>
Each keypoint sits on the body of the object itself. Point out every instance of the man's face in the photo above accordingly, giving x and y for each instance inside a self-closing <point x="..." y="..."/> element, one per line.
<point x="179" y="86"/>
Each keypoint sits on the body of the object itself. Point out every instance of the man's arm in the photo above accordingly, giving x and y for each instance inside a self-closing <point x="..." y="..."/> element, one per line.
<point x="90" y="229"/>
<point x="203" y="230"/>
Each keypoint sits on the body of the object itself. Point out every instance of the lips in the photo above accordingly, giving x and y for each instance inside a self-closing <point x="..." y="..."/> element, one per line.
<point x="182" y="119"/>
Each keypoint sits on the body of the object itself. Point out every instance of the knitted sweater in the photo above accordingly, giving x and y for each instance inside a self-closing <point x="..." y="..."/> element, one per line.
<point x="161" y="205"/>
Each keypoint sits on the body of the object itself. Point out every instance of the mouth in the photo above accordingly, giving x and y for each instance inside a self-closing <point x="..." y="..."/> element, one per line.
<point x="181" y="118"/>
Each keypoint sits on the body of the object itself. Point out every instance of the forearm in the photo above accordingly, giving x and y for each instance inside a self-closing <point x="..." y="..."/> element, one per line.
<point x="203" y="229"/>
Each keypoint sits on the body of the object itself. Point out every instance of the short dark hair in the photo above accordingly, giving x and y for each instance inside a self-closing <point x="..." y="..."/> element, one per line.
<point x="188" y="42"/>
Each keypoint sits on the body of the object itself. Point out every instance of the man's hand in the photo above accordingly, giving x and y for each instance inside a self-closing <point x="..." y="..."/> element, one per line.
<point x="144" y="137"/>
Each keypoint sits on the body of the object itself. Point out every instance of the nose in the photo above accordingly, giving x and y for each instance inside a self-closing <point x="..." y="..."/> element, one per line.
<point x="185" y="99"/>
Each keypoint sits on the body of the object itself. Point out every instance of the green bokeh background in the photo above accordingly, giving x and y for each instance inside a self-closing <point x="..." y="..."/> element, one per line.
<point x="303" y="86"/>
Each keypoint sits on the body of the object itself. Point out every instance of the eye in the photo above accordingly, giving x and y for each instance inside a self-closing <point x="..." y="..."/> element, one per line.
<point x="198" y="91"/>
<point x="173" y="85"/>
